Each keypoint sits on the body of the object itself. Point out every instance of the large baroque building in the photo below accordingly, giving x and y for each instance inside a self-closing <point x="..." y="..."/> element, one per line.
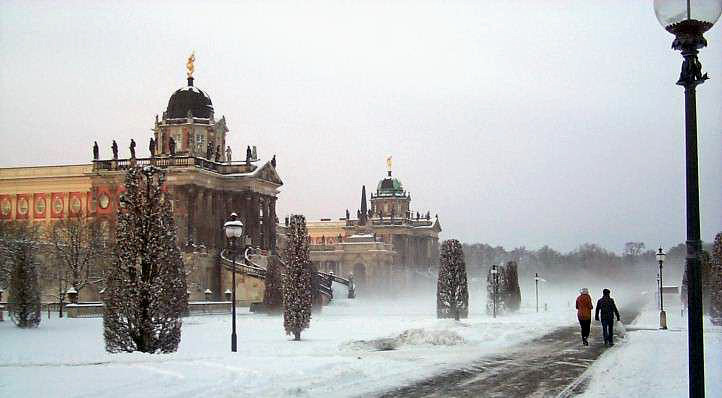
<point x="204" y="185"/>
<point x="385" y="243"/>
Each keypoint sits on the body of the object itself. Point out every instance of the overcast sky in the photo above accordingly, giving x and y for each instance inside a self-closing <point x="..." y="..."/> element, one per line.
<point x="521" y="123"/>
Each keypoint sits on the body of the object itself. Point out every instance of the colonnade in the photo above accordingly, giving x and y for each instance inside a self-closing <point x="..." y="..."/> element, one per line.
<point x="201" y="212"/>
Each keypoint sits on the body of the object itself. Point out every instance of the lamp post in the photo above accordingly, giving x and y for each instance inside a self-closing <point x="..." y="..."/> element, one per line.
<point x="688" y="20"/>
<point x="536" y="286"/>
<point x="494" y="273"/>
<point x="662" y="315"/>
<point x="234" y="230"/>
<point x="659" y="292"/>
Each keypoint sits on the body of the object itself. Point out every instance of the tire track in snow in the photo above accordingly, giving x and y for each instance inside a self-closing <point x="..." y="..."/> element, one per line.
<point x="549" y="366"/>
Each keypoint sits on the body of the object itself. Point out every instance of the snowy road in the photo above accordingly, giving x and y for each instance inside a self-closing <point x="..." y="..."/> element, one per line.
<point x="548" y="366"/>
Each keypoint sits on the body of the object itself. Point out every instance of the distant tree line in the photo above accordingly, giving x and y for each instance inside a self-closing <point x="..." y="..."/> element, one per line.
<point x="588" y="258"/>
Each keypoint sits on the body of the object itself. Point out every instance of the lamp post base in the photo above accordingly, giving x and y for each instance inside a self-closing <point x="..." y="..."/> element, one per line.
<point x="663" y="320"/>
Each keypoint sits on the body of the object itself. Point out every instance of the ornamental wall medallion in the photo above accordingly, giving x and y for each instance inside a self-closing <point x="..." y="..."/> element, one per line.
<point x="104" y="201"/>
<point x="40" y="205"/>
<point x="23" y="206"/>
<point x="75" y="205"/>
<point x="58" y="205"/>
<point x="5" y="207"/>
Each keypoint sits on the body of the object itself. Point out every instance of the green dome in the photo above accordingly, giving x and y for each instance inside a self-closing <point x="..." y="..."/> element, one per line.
<point x="390" y="186"/>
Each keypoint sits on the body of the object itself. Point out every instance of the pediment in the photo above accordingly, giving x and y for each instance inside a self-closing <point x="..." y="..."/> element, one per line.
<point x="268" y="173"/>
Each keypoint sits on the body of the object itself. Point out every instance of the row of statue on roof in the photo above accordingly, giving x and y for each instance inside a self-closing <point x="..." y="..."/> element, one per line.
<point x="211" y="154"/>
<point x="392" y="215"/>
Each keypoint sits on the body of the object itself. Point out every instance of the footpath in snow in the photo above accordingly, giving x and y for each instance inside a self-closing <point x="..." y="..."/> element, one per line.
<point x="353" y="348"/>
<point x="654" y="363"/>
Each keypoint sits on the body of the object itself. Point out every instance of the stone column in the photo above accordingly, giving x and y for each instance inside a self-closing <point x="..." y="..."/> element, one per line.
<point x="191" y="199"/>
<point x="267" y="221"/>
<point x="272" y="226"/>
<point x="253" y="219"/>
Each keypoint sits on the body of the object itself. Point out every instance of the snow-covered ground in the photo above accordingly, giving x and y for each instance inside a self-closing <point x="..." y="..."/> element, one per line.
<point x="653" y="363"/>
<point x="338" y="355"/>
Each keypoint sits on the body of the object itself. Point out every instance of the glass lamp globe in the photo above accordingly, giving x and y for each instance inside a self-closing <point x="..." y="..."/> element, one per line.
<point x="687" y="16"/>
<point x="234" y="227"/>
<point x="660" y="255"/>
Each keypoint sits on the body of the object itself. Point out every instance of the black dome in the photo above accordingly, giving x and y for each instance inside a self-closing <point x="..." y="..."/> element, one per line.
<point x="189" y="98"/>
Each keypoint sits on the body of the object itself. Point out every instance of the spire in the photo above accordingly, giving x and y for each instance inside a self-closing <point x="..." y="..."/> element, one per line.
<point x="364" y="209"/>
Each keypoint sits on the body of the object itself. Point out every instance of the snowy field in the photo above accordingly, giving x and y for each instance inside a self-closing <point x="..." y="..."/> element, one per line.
<point x="66" y="357"/>
<point x="653" y="363"/>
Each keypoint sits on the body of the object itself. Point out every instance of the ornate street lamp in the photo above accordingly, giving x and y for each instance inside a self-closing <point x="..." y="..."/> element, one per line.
<point x="494" y="276"/>
<point x="687" y="20"/>
<point x="234" y="230"/>
<point x="72" y="295"/>
<point x="662" y="315"/>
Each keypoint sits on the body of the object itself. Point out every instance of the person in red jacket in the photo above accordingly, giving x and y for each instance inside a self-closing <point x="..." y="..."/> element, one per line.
<point x="584" y="313"/>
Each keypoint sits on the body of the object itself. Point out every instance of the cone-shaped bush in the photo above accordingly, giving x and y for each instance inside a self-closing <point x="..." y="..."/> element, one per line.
<point x="452" y="293"/>
<point x="297" y="294"/>
<point x="19" y="247"/>
<point x="272" y="295"/>
<point x="145" y="292"/>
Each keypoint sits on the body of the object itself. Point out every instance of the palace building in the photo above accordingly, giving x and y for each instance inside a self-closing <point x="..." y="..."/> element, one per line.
<point x="204" y="184"/>
<point x="385" y="243"/>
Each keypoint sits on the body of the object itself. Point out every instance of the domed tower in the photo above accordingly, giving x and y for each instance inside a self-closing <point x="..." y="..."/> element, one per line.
<point x="390" y="199"/>
<point x="189" y="120"/>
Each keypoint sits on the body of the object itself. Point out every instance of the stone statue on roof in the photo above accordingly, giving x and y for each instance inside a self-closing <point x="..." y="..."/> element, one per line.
<point x="96" y="151"/>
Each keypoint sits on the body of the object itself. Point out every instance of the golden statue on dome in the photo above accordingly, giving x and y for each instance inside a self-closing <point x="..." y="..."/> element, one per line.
<point x="189" y="64"/>
<point x="388" y="163"/>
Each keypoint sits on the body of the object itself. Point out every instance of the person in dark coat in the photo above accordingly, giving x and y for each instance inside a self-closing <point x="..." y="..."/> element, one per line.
<point x="584" y="313"/>
<point x="606" y="306"/>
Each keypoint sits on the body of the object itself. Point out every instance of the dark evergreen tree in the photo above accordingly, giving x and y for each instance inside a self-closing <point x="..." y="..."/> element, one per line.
<point x="494" y="291"/>
<point x="19" y="248"/>
<point x="145" y="292"/>
<point x="716" y="281"/>
<point x="297" y="295"/>
<point x="707" y="280"/>
<point x="512" y="292"/>
<point x="452" y="293"/>
<point x="272" y="295"/>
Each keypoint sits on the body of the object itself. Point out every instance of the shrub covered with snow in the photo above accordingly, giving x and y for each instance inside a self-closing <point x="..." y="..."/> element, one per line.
<point x="452" y="293"/>
<point x="146" y="286"/>
<point x="18" y="256"/>
<point x="297" y="294"/>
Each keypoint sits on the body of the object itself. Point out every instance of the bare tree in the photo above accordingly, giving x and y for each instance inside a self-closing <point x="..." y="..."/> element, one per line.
<point x="78" y="247"/>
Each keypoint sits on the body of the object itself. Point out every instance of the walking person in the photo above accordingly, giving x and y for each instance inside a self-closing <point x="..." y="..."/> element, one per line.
<point x="606" y="306"/>
<point x="584" y="313"/>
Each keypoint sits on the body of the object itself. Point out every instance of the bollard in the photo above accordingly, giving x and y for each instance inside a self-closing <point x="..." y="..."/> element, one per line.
<point x="662" y="320"/>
